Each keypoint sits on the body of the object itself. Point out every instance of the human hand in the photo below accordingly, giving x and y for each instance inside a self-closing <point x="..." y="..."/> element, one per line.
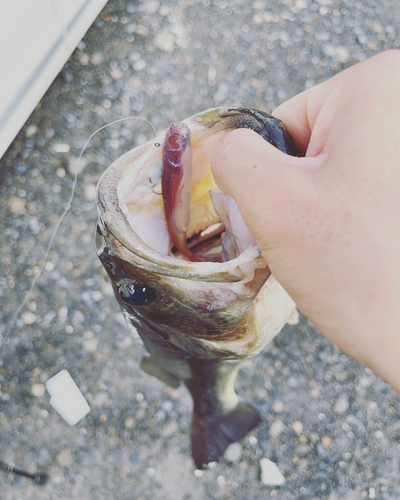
<point x="328" y="224"/>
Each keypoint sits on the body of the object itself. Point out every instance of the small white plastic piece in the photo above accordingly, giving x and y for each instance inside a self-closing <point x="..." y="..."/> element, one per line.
<point x="66" y="398"/>
<point x="270" y="473"/>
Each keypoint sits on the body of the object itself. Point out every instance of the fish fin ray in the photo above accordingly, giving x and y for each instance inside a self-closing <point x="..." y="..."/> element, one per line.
<point x="211" y="435"/>
<point x="151" y="368"/>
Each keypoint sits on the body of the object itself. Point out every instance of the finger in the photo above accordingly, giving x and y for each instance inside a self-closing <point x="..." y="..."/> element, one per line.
<point x="269" y="186"/>
<point x="300" y="115"/>
<point x="310" y="116"/>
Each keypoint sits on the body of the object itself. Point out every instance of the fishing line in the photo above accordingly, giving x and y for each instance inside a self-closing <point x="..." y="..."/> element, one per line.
<point x="62" y="217"/>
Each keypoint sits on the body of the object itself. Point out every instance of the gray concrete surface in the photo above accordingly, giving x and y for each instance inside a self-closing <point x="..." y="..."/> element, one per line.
<point x="330" y="424"/>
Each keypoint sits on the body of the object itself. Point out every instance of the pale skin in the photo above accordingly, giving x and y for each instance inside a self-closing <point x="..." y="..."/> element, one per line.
<point x="328" y="224"/>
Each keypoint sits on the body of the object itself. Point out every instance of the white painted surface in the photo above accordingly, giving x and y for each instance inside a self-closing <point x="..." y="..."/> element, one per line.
<point x="36" y="39"/>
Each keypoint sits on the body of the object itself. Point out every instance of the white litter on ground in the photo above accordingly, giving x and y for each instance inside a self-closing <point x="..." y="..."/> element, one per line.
<point x="66" y="398"/>
<point x="270" y="473"/>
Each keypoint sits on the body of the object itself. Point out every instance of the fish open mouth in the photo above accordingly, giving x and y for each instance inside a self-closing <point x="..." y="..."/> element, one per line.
<point x="185" y="217"/>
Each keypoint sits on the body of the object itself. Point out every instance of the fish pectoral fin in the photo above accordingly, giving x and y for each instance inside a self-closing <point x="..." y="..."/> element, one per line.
<point x="211" y="435"/>
<point x="151" y="368"/>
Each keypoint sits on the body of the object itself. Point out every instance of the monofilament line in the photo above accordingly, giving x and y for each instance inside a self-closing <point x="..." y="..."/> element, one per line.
<point x="61" y="218"/>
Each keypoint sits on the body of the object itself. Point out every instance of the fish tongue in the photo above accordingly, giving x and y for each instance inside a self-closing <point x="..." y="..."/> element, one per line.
<point x="237" y="237"/>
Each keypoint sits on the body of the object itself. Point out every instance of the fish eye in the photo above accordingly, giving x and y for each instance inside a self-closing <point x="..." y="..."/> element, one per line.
<point x="134" y="294"/>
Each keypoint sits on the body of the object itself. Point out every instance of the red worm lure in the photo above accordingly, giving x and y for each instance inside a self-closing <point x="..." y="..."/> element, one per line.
<point x="175" y="184"/>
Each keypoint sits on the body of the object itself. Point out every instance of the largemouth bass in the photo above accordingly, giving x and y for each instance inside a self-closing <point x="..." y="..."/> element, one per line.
<point x="187" y="272"/>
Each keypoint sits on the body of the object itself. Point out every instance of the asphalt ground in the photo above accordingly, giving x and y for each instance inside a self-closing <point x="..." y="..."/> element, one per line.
<point x="331" y="426"/>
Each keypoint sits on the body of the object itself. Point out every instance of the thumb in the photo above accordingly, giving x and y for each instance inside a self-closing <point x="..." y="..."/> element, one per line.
<point x="271" y="188"/>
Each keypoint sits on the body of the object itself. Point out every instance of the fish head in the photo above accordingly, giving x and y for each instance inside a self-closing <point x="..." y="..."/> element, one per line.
<point x="220" y="307"/>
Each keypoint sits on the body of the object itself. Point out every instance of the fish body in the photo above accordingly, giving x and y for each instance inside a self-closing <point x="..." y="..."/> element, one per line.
<point x="197" y="320"/>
